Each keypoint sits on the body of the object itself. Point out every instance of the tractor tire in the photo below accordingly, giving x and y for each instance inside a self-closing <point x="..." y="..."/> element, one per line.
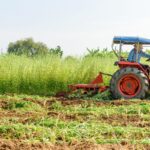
<point x="129" y="83"/>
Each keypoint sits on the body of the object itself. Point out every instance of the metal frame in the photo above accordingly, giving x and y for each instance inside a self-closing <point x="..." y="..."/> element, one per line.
<point x="95" y="85"/>
<point x="120" y="50"/>
<point x="137" y="51"/>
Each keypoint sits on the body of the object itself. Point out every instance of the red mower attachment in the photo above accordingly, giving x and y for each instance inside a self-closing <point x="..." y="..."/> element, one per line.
<point x="95" y="86"/>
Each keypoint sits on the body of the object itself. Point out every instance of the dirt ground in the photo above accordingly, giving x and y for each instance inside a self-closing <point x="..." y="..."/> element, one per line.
<point x="113" y="119"/>
<point x="20" y="145"/>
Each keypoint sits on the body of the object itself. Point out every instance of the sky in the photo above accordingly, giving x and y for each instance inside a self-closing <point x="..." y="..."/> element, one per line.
<point x="75" y="25"/>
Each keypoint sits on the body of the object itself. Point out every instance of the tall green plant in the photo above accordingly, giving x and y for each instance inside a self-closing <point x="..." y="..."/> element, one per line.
<point x="46" y="75"/>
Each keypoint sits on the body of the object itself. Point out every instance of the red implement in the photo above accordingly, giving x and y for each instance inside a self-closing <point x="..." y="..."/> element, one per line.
<point x="94" y="86"/>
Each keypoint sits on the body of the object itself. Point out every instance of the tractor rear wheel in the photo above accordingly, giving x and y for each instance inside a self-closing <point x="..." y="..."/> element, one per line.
<point x="129" y="83"/>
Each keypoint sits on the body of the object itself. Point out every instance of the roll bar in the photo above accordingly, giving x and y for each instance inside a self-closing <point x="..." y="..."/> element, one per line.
<point x="120" y="50"/>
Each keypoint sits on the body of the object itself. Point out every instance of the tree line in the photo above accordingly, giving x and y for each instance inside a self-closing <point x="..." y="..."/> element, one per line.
<point x="31" y="48"/>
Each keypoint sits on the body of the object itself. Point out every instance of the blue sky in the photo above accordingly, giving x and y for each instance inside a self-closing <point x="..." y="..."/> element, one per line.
<point x="73" y="24"/>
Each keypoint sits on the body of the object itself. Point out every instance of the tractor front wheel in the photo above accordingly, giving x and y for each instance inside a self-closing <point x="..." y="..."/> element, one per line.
<point x="129" y="83"/>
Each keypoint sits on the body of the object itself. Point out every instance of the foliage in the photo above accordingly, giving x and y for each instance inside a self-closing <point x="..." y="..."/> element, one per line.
<point x="49" y="74"/>
<point x="27" y="47"/>
<point x="105" y="53"/>
<point x="56" y="51"/>
<point x="99" y="53"/>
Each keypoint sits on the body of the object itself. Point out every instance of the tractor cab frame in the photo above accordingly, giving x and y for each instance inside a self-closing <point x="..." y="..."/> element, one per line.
<point x="122" y="63"/>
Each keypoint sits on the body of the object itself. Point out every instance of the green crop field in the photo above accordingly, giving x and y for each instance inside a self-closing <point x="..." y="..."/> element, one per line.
<point x="49" y="74"/>
<point x="42" y="121"/>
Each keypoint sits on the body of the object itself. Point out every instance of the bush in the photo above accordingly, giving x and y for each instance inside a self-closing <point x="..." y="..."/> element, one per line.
<point x="27" y="47"/>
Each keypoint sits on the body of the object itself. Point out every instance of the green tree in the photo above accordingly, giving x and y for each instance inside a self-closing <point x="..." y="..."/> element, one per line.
<point x="27" y="47"/>
<point x="56" y="51"/>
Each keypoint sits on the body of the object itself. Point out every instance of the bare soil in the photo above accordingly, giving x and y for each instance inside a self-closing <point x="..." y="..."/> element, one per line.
<point x="73" y="102"/>
<point x="22" y="145"/>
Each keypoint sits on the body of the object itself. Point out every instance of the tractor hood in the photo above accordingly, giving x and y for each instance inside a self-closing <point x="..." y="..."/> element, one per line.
<point x="130" y="40"/>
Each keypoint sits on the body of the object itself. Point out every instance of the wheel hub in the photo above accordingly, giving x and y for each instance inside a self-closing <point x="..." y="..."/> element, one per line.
<point x="129" y="85"/>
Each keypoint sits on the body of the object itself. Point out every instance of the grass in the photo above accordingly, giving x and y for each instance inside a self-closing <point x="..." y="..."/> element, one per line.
<point x="46" y="119"/>
<point x="55" y="131"/>
<point x="21" y="105"/>
<point x="49" y="74"/>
